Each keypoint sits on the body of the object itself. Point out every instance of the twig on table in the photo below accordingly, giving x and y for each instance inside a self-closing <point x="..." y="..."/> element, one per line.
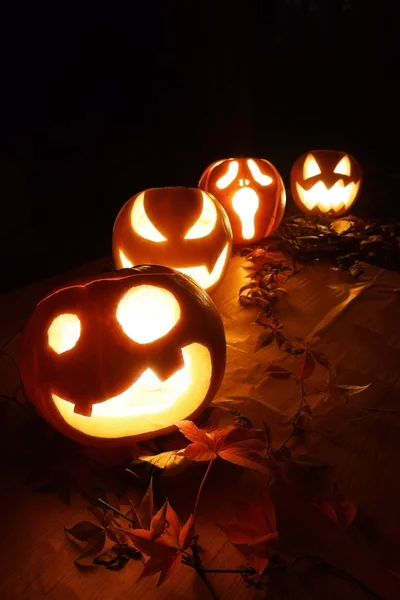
<point x="293" y="434"/>
<point x="295" y="418"/>
<point x="115" y="510"/>
<point x="336" y="571"/>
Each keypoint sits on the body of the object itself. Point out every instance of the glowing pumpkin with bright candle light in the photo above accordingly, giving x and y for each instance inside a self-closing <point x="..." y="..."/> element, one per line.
<point x="179" y="227"/>
<point x="325" y="182"/>
<point x="123" y="356"/>
<point x="252" y="193"/>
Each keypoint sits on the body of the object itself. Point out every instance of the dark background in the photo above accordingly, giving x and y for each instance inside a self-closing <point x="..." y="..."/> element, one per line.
<point x="98" y="104"/>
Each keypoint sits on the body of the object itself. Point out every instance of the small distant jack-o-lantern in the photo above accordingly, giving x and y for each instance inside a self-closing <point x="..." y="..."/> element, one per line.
<point x="252" y="193"/>
<point x="123" y="356"/>
<point x="325" y="182"/>
<point x="179" y="227"/>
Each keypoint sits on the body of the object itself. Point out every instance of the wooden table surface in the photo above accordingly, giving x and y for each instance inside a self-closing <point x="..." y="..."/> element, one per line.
<point x="359" y="328"/>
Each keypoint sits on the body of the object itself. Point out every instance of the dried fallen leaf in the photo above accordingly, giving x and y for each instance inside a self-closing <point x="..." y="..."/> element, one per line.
<point x="222" y="415"/>
<point x="253" y="527"/>
<point x="351" y="390"/>
<point x="337" y="509"/>
<point x="305" y="365"/>
<point x="94" y="547"/>
<point x="170" y="462"/>
<point x="84" y="531"/>
<point x="116" y="557"/>
<point x="265" y="339"/>
<point x="277" y="372"/>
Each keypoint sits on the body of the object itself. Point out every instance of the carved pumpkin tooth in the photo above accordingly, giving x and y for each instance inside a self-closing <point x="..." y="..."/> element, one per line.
<point x="83" y="409"/>
<point x="167" y="364"/>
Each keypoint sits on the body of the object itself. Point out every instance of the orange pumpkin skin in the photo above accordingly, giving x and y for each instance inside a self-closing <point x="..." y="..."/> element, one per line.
<point x="105" y="361"/>
<point x="325" y="182"/>
<point x="173" y="212"/>
<point x="230" y="178"/>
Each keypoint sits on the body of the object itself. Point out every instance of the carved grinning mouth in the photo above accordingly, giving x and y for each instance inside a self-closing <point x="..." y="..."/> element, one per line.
<point x="147" y="400"/>
<point x="334" y="198"/>
<point x="201" y="274"/>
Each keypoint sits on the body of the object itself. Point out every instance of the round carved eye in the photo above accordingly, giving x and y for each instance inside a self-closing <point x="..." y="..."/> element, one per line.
<point x="142" y="224"/>
<point x="64" y="332"/>
<point x="147" y="313"/>
<point x="310" y="168"/>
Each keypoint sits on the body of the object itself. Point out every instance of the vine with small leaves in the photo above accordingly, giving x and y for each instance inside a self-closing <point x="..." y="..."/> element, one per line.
<point x="128" y="526"/>
<point x="167" y="543"/>
<point x="265" y="286"/>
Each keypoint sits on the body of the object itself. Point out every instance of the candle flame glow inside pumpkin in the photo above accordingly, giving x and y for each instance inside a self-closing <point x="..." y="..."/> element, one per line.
<point x="334" y="198"/>
<point x="145" y="313"/>
<point x="64" y="332"/>
<point x="245" y="201"/>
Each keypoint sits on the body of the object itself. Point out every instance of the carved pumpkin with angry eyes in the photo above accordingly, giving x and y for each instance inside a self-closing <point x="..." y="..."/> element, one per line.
<point x="122" y="356"/>
<point x="183" y="228"/>
<point x="325" y="181"/>
<point x="252" y="193"/>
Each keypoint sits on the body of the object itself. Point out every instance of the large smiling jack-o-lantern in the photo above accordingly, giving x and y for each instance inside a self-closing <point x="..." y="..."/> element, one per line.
<point x="325" y="182"/>
<point x="252" y="193"/>
<point x="183" y="228"/>
<point x="123" y="356"/>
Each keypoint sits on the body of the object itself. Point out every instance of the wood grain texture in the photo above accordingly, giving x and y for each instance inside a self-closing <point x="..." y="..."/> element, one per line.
<point x="359" y="330"/>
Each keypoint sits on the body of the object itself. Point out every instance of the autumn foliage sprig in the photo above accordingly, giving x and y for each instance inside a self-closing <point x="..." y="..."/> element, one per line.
<point x="266" y="283"/>
<point x="166" y="542"/>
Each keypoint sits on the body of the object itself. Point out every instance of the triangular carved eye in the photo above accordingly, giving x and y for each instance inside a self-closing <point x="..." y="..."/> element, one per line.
<point x="229" y="176"/>
<point x="257" y="175"/>
<point x="343" y="167"/>
<point x="311" y="167"/>
<point x="206" y="222"/>
<point x="141" y="223"/>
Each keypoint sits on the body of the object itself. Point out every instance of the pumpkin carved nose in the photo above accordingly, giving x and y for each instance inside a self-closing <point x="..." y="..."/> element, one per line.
<point x="166" y="364"/>
<point x="244" y="182"/>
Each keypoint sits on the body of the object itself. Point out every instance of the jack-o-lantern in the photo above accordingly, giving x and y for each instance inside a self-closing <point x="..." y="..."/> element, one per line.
<point x="252" y="193"/>
<point x="123" y="356"/>
<point x="179" y="227"/>
<point x="325" y="182"/>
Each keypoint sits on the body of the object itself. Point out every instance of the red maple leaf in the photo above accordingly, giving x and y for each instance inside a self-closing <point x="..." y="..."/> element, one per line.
<point x="253" y="526"/>
<point x="312" y="481"/>
<point x="164" y="550"/>
<point x="238" y="445"/>
<point x="337" y="509"/>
